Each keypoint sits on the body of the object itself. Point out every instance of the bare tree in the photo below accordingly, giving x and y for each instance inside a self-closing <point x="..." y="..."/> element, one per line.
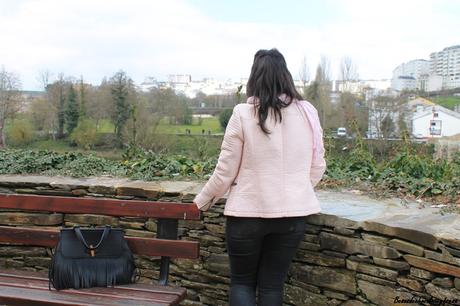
<point x="99" y="102"/>
<point x="42" y="114"/>
<point x="382" y="110"/>
<point x="318" y="92"/>
<point x="10" y="99"/>
<point x="325" y="65"/>
<point x="348" y="72"/>
<point x="304" y="73"/>
<point x="44" y="77"/>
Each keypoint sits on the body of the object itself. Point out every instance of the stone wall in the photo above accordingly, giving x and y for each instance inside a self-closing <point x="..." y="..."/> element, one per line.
<point x="340" y="261"/>
<point x="446" y="147"/>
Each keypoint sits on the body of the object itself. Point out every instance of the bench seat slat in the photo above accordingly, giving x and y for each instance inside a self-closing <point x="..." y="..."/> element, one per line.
<point x="43" y="276"/>
<point x="138" y="245"/>
<point x="37" y="297"/>
<point x="96" y="292"/>
<point x="111" y="207"/>
<point x="37" y="288"/>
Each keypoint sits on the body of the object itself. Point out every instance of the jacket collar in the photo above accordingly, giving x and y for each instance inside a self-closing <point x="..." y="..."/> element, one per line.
<point x="254" y="100"/>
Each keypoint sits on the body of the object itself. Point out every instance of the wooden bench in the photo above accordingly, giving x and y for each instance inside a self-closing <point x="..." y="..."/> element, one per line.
<point x="19" y="287"/>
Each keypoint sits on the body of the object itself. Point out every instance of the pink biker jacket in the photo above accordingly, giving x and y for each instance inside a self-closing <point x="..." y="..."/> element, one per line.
<point x="268" y="176"/>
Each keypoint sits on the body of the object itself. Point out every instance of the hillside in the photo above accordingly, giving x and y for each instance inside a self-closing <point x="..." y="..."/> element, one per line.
<point x="449" y="102"/>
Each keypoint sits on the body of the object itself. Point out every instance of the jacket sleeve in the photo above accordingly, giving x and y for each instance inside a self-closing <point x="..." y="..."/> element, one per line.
<point x="318" y="167"/>
<point x="227" y="166"/>
<point x="318" y="164"/>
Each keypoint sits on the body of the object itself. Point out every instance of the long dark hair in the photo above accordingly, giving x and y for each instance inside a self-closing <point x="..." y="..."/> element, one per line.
<point x="268" y="80"/>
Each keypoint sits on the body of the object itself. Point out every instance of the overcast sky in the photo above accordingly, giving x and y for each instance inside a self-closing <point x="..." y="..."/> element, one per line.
<point x="210" y="38"/>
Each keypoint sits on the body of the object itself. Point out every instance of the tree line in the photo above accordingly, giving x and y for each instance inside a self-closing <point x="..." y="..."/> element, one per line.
<point x="73" y="109"/>
<point x="351" y="109"/>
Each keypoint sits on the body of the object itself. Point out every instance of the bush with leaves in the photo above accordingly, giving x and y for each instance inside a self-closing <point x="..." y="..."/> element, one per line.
<point x="20" y="133"/>
<point x="52" y="163"/>
<point x="408" y="173"/>
<point x="90" y="165"/>
<point x="152" y="166"/>
<point x="224" y="118"/>
<point x="84" y="135"/>
<point x="360" y="163"/>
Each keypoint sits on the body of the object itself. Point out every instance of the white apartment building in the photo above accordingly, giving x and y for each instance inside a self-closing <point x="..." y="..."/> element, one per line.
<point x="429" y="82"/>
<point x="179" y="78"/>
<point x="360" y="86"/>
<point x="446" y="64"/>
<point x="183" y="84"/>
<point x="404" y="83"/>
<point x="406" y="75"/>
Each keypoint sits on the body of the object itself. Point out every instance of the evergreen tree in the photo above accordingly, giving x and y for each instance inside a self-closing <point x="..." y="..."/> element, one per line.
<point x="224" y="117"/>
<point x="387" y="126"/>
<point x="60" y="108"/>
<point x="55" y="104"/>
<point x="120" y="87"/>
<point x="318" y="93"/>
<point x="82" y="99"/>
<point x="71" y="110"/>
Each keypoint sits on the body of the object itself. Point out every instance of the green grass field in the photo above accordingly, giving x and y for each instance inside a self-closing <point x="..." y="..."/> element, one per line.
<point x="177" y="142"/>
<point x="211" y="124"/>
<point x="448" y="102"/>
<point x="105" y="126"/>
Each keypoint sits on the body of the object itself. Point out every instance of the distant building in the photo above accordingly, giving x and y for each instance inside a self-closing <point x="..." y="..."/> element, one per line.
<point x="183" y="84"/>
<point x="446" y="64"/>
<point x="28" y="96"/>
<point x="404" y="82"/>
<point x="406" y="75"/>
<point x="422" y="117"/>
<point x="369" y="89"/>
<point x="180" y="78"/>
<point x="148" y="84"/>
<point x="428" y="82"/>
<point x="442" y="71"/>
<point x="434" y="121"/>
<point x="361" y="86"/>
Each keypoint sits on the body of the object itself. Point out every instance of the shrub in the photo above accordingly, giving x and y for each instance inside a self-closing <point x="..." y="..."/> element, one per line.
<point x="84" y="135"/>
<point x="224" y="118"/>
<point x="361" y="163"/>
<point x="20" y="133"/>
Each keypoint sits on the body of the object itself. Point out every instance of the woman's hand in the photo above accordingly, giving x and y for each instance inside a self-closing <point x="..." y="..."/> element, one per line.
<point x="204" y="207"/>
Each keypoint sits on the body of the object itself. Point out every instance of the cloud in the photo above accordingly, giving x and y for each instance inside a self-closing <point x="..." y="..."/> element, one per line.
<point x="155" y="38"/>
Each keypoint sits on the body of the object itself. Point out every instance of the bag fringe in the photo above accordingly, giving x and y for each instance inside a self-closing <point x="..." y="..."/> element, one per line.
<point x="90" y="272"/>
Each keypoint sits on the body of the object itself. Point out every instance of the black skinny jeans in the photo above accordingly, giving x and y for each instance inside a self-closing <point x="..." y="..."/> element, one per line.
<point x="261" y="251"/>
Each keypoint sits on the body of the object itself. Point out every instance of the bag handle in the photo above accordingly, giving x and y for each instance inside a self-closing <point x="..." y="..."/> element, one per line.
<point x="82" y="239"/>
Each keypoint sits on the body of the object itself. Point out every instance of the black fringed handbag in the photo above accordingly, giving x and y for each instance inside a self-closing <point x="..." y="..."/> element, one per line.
<point x="91" y="257"/>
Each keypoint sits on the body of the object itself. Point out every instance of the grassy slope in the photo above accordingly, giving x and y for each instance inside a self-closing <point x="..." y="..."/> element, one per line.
<point x="105" y="126"/>
<point x="449" y="102"/>
<point x="207" y="124"/>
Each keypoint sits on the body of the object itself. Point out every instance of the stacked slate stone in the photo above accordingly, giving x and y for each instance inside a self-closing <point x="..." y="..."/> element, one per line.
<point x="340" y="262"/>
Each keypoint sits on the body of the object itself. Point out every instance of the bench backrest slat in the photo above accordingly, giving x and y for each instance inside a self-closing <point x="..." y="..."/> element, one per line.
<point x="111" y="207"/>
<point x="138" y="245"/>
<point x="168" y="214"/>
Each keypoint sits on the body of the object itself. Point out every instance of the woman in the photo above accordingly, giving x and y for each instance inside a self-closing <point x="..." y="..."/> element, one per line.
<point x="271" y="157"/>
